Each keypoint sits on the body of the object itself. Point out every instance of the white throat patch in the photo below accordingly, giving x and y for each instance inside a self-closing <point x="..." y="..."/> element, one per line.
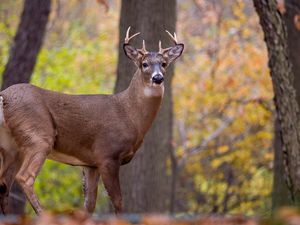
<point x="155" y="90"/>
<point x="148" y="92"/>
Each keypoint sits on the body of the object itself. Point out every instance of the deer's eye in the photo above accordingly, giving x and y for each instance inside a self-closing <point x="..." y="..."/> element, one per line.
<point x="164" y="64"/>
<point x="145" y="65"/>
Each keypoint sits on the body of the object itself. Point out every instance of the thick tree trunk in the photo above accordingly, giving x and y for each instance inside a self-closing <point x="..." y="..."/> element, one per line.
<point x="280" y="192"/>
<point x="27" y="42"/>
<point x="144" y="180"/>
<point x="22" y="58"/>
<point x="285" y="96"/>
<point x="280" y="189"/>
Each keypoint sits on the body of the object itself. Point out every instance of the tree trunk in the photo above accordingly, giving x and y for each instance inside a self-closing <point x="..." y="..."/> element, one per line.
<point x="280" y="192"/>
<point x="285" y="96"/>
<point x="27" y="42"/>
<point x="280" y="189"/>
<point x="22" y="58"/>
<point x="144" y="180"/>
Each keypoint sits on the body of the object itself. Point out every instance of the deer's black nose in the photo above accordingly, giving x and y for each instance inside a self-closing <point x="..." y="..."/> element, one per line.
<point x="158" y="78"/>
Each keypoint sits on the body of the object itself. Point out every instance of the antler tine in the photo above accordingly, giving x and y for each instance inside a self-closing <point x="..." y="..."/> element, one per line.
<point x="143" y="49"/>
<point x="128" y="38"/>
<point x="144" y="46"/>
<point x="174" y="38"/>
<point x="159" y="46"/>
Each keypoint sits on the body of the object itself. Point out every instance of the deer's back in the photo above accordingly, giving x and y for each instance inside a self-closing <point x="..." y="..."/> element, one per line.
<point x="73" y="123"/>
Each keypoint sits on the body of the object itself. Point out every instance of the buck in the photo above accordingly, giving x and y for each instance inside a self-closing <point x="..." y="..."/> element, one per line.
<point x="97" y="132"/>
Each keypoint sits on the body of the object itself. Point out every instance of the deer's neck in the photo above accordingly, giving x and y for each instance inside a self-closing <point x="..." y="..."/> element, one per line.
<point x="141" y="102"/>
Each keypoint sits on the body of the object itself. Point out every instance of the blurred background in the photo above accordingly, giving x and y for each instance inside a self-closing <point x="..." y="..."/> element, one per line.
<point x="220" y="159"/>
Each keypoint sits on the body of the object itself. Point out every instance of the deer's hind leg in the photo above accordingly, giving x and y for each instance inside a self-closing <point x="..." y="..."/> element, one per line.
<point x="9" y="165"/>
<point x="33" y="158"/>
<point x="34" y="133"/>
<point x="90" y="187"/>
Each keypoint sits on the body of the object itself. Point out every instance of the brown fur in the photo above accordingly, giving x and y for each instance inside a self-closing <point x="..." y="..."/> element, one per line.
<point x="97" y="132"/>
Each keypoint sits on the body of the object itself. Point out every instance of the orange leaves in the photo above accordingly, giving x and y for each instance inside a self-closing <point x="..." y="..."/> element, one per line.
<point x="158" y="220"/>
<point x="104" y="3"/>
<point x="224" y="76"/>
<point x="283" y="216"/>
<point x="80" y="218"/>
<point x="297" y="21"/>
<point x="281" y="6"/>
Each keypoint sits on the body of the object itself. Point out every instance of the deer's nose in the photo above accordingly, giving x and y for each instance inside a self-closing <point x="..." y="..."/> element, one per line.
<point x="158" y="78"/>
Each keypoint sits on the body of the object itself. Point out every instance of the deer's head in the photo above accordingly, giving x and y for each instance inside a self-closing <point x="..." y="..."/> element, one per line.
<point x="152" y="65"/>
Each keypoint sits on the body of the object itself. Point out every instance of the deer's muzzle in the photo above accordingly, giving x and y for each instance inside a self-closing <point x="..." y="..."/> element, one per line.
<point x="158" y="79"/>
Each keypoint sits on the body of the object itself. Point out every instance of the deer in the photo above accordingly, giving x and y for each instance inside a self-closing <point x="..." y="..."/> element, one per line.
<point x="97" y="132"/>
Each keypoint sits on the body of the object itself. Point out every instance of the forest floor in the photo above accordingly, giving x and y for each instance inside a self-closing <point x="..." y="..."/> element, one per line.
<point x="285" y="216"/>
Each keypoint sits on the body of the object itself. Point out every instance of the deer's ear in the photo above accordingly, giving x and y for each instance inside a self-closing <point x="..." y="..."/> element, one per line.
<point x="174" y="52"/>
<point x="131" y="52"/>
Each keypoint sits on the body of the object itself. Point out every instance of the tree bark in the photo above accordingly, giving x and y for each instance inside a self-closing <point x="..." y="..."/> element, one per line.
<point x="280" y="190"/>
<point x="285" y="95"/>
<point x="27" y="42"/>
<point x="144" y="180"/>
<point x="22" y="58"/>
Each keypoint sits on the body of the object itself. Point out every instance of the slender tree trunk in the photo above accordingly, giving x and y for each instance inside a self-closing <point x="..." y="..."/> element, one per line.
<point x="27" y="42"/>
<point x="174" y="180"/>
<point x="22" y="58"/>
<point x="285" y="96"/>
<point x="144" y="180"/>
<point x="280" y="190"/>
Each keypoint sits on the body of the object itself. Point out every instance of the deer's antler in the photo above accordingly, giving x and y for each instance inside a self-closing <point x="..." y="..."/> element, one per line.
<point x="128" y="38"/>
<point x="174" y="39"/>
<point x="143" y="50"/>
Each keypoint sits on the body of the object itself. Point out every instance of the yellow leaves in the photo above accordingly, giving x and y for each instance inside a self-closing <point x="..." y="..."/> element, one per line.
<point x="238" y="11"/>
<point x="264" y="135"/>
<point x="216" y="164"/>
<point x="269" y="156"/>
<point x="247" y="33"/>
<point x="196" y="167"/>
<point x="227" y="77"/>
<point x="223" y="149"/>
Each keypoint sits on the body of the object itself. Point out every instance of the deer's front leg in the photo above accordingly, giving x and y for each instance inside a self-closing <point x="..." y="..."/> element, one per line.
<point x="90" y="187"/>
<point x="109" y="171"/>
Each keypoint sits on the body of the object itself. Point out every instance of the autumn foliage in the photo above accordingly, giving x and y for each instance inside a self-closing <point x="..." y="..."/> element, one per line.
<point x="80" y="218"/>
<point x="285" y="216"/>
<point x="223" y="125"/>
